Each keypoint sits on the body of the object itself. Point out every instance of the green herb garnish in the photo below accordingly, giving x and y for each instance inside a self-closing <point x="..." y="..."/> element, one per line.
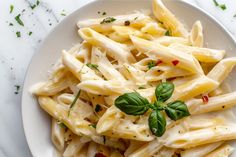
<point x="164" y="91"/>
<point x="11" y="8"/>
<point x="18" y="20"/>
<point x="177" y="109"/>
<point x="37" y="2"/>
<point x="222" y="6"/>
<point x="135" y="104"/>
<point x="30" y="33"/>
<point x="168" y="33"/>
<point x="93" y="125"/>
<point x="151" y="64"/>
<point x="63" y="14"/>
<point x="98" y="108"/>
<point x="34" y="5"/>
<point x="92" y="66"/>
<point x="74" y="101"/>
<point x="107" y="20"/>
<point x="157" y="122"/>
<point x="216" y="3"/>
<point x="18" y="34"/>
<point x="132" y="103"/>
<point x="141" y="87"/>
<point x="17" y="89"/>
<point x="62" y="125"/>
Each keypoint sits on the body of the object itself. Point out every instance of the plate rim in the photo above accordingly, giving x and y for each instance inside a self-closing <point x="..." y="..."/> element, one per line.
<point x="24" y="90"/>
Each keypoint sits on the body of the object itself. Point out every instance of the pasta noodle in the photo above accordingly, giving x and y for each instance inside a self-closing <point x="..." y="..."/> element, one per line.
<point x="134" y="54"/>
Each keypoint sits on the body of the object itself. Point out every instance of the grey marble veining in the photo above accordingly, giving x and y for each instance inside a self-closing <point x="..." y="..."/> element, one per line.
<point x="15" y="55"/>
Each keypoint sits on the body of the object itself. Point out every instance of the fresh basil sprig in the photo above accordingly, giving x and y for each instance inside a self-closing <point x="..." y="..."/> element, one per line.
<point x="157" y="123"/>
<point x="176" y="110"/>
<point x="135" y="104"/>
<point x="164" y="91"/>
<point x="132" y="103"/>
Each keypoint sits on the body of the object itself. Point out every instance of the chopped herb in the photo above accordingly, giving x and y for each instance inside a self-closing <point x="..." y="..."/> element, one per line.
<point x="10" y="24"/>
<point x="127" y="69"/>
<point x="17" y="89"/>
<point x="30" y="33"/>
<point x="104" y="13"/>
<point x="23" y="10"/>
<point x="63" y="14"/>
<point x="168" y="33"/>
<point x="151" y="65"/>
<point x="98" y="108"/>
<point x="37" y="3"/>
<point x="223" y="6"/>
<point x="107" y="20"/>
<point x="74" y="101"/>
<point x="32" y="6"/>
<point x="62" y="125"/>
<point x="216" y="3"/>
<point x="141" y="87"/>
<point x="136" y="18"/>
<point x="93" y="125"/>
<point x="11" y="8"/>
<point x="127" y="23"/>
<point x="92" y="66"/>
<point x="18" y="34"/>
<point x="18" y="20"/>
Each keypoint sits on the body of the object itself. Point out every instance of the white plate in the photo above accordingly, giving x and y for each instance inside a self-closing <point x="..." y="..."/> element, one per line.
<point x="36" y="121"/>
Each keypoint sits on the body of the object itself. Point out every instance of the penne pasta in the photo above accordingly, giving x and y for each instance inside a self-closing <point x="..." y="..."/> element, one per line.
<point x="140" y="85"/>
<point x="135" y="19"/>
<point x="167" y="55"/>
<point x="196" y="35"/>
<point x="201" y="54"/>
<point x="168" y="19"/>
<point x="223" y="151"/>
<point x="115" y="50"/>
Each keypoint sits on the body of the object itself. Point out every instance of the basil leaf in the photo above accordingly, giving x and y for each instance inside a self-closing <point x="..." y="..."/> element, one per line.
<point x="177" y="110"/>
<point x="132" y="103"/>
<point x="108" y="20"/>
<point x="157" y="123"/>
<point x="92" y="66"/>
<point x="164" y="91"/>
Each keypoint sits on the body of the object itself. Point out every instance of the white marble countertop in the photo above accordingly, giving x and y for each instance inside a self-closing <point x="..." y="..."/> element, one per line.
<point x="15" y="55"/>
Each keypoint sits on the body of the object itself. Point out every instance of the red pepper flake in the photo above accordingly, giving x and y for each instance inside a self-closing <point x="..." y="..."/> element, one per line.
<point x="99" y="155"/>
<point x="205" y="99"/>
<point x="159" y="62"/>
<point x="175" y="62"/>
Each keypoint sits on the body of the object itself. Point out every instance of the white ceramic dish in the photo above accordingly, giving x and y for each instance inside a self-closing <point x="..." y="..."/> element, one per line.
<point x="36" y="121"/>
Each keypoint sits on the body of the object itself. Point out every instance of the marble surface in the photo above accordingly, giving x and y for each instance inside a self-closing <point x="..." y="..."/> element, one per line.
<point x="15" y="55"/>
